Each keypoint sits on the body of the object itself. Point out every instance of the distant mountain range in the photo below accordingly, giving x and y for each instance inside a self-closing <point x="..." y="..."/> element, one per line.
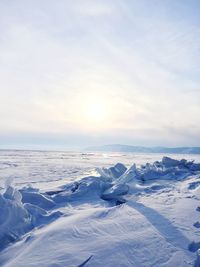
<point x="142" y="149"/>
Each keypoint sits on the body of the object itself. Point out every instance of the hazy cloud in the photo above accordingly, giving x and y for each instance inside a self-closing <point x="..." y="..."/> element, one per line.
<point x="141" y="59"/>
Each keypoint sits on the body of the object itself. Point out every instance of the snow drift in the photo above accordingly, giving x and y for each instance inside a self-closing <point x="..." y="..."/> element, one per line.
<point x="92" y="206"/>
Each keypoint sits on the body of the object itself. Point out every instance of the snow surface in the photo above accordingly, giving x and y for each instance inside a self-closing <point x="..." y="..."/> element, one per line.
<point x="145" y="214"/>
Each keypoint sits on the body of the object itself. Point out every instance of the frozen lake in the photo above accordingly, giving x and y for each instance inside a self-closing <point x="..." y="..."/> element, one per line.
<point x="44" y="167"/>
<point x="57" y="209"/>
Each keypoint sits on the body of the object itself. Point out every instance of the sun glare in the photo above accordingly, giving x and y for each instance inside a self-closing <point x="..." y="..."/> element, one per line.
<point x="96" y="111"/>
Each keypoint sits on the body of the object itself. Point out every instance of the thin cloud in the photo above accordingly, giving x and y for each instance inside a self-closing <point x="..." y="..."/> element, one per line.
<point x="140" y="58"/>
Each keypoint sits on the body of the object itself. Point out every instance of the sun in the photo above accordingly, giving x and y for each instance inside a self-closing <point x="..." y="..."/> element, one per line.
<point x="96" y="111"/>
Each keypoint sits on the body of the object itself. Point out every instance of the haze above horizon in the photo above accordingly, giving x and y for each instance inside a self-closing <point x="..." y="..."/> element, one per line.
<point x="84" y="73"/>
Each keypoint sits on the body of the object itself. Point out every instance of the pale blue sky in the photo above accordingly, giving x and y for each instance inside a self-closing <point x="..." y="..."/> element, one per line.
<point x="139" y="61"/>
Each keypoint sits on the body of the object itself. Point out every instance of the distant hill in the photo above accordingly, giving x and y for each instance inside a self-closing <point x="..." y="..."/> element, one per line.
<point x="141" y="149"/>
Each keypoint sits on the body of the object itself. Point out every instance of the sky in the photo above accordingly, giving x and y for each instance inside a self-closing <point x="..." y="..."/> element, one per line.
<point x="94" y="72"/>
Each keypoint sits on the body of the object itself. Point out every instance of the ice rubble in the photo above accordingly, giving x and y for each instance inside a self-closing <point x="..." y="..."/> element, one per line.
<point x="23" y="210"/>
<point x="197" y="262"/>
<point x="18" y="217"/>
<point x="15" y="220"/>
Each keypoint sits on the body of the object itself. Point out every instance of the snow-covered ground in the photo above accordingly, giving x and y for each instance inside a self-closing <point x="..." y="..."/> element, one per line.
<point x="84" y="209"/>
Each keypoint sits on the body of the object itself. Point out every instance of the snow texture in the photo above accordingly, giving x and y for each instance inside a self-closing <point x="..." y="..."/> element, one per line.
<point x="144" y="215"/>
